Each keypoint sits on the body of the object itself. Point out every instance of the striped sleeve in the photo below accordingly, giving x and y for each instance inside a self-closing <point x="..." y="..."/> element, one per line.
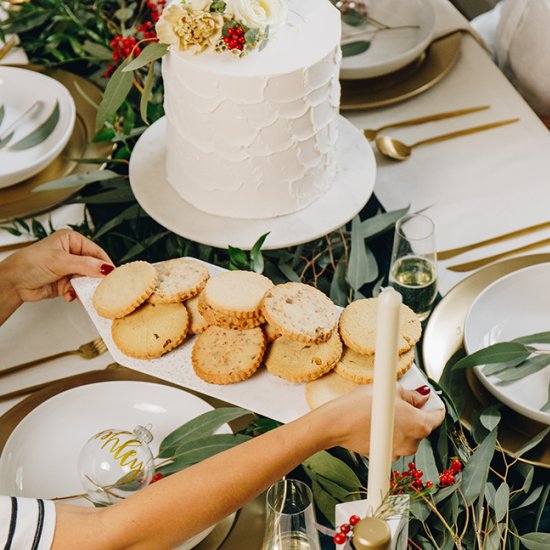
<point x="26" y="523"/>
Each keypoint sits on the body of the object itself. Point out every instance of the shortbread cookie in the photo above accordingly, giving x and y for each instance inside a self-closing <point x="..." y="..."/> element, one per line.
<point x="271" y="333"/>
<point x="224" y="356"/>
<point x="124" y="289"/>
<point x="328" y="387"/>
<point x="360" y="368"/>
<point x="237" y="293"/>
<point x="358" y="326"/>
<point x="152" y="330"/>
<point x="300" y="362"/>
<point x="179" y="280"/>
<point x="214" y="317"/>
<point x="197" y="323"/>
<point x="300" y="312"/>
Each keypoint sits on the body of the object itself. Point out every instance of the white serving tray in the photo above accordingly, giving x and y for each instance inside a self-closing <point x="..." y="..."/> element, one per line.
<point x="264" y="393"/>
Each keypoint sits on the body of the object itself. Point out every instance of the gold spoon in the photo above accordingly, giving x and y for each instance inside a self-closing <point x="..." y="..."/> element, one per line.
<point x="397" y="150"/>
<point x="371" y="133"/>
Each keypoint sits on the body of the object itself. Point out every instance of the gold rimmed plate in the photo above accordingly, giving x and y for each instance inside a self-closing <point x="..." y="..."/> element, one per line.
<point x="19" y="201"/>
<point x="415" y="78"/>
<point x="242" y="530"/>
<point x="443" y="339"/>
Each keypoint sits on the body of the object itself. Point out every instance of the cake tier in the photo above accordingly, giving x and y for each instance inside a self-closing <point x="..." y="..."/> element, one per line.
<point x="255" y="136"/>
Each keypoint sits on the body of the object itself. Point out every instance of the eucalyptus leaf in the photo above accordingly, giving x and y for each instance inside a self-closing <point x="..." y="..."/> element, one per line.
<point x="497" y="353"/>
<point x="324" y="464"/>
<point x="98" y="50"/>
<point x="325" y="502"/>
<point x="338" y="289"/>
<point x="490" y="417"/>
<point x="147" y="87"/>
<point x="420" y="510"/>
<point x="132" y="212"/>
<point x="476" y="469"/>
<point x="546" y="406"/>
<point x="123" y="14"/>
<point x="5" y="140"/>
<point x="40" y="134"/>
<point x="489" y="370"/>
<point x="425" y="461"/>
<point x="354" y="18"/>
<point x="532" y="497"/>
<point x="334" y="489"/>
<point x="256" y="256"/>
<point x="527" y="471"/>
<point x="151" y="52"/>
<point x="355" y="48"/>
<point x="537" y="338"/>
<point x="502" y="497"/>
<point x="542" y="505"/>
<point x="77" y="180"/>
<point x="528" y="367"/>
<point x="112" y="196"/>
<point x="203" y="425"/>
<point x="144" y="244"/>
<point x="2" y="113"/>
<point x="536" y="541"/>
<point x="379" y="224"/>
<point x="532" y="443"/>
<point x="360" y="261"/>
<point x="237" y="257"/>
<point x="196" y="450"/>
<point x="289" y="273"/>
<point x="117" y="90"/>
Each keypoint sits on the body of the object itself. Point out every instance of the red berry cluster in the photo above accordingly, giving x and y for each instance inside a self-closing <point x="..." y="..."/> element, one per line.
<point x="448" y="476"/>
<point x="156" y="477"/>
<point x="156" y="7"/>
<point x="345" y="530"/>
<point x="123" y="47"/>
<point x="235" y="38"/>
<point x="147" y="30"/>
<point x="410" y="479"/>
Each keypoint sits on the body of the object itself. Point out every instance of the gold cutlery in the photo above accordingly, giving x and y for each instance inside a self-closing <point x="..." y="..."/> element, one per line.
<point x="6" y="48"/>
<point x="475" y="264"/>
<point x="452" y="252"/>
<point x="31" y="389"/>
<point x="89" y="350"/>
<point x="397" y="150"/>
<point x="371" y="133"/>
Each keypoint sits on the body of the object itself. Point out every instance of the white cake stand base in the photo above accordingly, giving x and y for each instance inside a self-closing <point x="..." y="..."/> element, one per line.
<point x="350" y="191"/>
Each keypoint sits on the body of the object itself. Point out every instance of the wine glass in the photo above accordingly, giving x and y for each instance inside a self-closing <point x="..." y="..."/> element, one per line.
<point x="290" y="517"/>
<point x="413" y="268"/>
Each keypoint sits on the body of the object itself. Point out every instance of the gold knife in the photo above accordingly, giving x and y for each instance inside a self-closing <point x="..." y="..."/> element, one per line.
<point x="6" y="48"/>
<point x="475" y="264"/>
<point x="452" y="252"/>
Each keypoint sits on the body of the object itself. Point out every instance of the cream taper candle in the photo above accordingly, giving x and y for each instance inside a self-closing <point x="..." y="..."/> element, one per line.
<point x="383" y="401"/>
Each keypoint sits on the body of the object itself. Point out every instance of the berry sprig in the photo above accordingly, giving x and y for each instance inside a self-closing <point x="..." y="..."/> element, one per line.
<point x="235" y="39"/>
<point x="156" y="7"/>
<point x="447" y="478"/>
<point x="409" y="481"/>
<point x="156" y="477"/>
<point x="345" y="530"/>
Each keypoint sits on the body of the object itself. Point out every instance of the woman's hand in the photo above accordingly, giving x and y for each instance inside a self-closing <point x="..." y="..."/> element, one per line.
<point x="44" y="269"/>
<point x="351" y="415"/>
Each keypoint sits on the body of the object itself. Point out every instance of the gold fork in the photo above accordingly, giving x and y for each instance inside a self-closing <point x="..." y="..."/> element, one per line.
<point x="89" y="350"/>
<point x="6" y="48"/>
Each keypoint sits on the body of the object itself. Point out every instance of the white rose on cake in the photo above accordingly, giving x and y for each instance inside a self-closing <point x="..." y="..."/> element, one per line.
<point x="259" y="13"/>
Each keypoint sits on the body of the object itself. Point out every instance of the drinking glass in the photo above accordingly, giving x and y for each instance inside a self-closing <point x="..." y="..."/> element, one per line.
<point x="413" y="268"/>
<point x="290" y="517"/>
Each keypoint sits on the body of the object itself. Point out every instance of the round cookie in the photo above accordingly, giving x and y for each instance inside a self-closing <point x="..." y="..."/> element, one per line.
<point x="358" y="326"/>
<point x="237" y="293"/>
<point x="300" y="362"/>
<point x="270" y="332"/>
<point x="197" y="323"/>
<point x="300" y="312"/>
<point x="328" y="387"/>
<point x="214" y="317"/>
<point x="151" y="331"/>
<point x="124" y="289"/>
<point x="179" y="280"/>
<point x="360" y="368"/>
<point x="224" y="356"/>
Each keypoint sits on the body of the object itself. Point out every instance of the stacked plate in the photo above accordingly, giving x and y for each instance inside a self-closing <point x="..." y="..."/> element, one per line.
<point x="37" y="117"/>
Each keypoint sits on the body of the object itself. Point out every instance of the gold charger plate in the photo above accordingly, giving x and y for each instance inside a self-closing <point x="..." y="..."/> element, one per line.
<point x="19" y="201"/>
<point x="443" y="338"/>
<point x="408" y="82"/>
<point x="240" y="531"/>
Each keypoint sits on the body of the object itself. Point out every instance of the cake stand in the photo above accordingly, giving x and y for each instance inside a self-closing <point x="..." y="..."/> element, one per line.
<point x="353" y="186"/>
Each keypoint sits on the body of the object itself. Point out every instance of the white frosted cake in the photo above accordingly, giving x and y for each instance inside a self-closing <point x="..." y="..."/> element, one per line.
<point x="253" y="136"/>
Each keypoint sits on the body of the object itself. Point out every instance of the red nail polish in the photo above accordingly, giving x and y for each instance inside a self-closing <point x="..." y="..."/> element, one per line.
<point x="72" y="294"/>
<point x="106" y="269"/>
<point x="423" y="390"/>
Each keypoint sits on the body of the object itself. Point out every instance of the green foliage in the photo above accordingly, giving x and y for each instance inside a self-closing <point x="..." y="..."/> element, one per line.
<point x="40" y="134"/>
<point x="355" y="48"/>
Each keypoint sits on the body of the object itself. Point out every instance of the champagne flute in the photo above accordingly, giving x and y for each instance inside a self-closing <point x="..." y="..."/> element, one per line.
<point x="290" y="517"/>
<point x="413" y="270"/>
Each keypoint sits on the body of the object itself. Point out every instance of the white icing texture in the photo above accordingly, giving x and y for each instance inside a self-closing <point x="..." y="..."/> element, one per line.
<point x="255" y="137"/>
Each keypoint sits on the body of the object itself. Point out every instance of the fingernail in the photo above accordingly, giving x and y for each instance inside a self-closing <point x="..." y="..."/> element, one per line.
<point x="72" y="294"/>
<point x="106" y="269"/>
<point x="423" y="390"/>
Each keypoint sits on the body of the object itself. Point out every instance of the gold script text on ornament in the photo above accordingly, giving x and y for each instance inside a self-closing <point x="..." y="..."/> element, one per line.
<point x="121" y="452"/>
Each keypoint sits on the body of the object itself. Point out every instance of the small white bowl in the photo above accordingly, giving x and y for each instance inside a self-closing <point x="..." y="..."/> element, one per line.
<point x="390" y="50"/>
<point x="19" y="89"/>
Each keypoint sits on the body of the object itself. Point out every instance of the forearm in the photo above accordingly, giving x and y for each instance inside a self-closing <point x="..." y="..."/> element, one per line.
<point x="9" y="298"/>
<point x="190" y="501"/>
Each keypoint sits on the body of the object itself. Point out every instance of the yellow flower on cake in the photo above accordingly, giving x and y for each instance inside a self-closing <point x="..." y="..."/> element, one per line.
<point x="259" y="13"/>
<point x="189" y="29"/>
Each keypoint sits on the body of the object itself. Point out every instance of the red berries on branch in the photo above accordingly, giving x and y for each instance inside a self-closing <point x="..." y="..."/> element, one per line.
<point x="235" y="39"/>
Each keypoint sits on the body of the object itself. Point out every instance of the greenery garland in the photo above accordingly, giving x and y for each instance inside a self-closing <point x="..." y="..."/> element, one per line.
<point x="495" y="501"/>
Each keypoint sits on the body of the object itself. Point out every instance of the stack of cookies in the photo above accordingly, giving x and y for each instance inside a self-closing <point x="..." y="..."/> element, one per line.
<point x="357" y="328"/>
<point x="152" y="307"/>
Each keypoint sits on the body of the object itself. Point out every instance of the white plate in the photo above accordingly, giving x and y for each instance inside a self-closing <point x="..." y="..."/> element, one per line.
<point x="391" y="50"/>
<point x="19" y="89"/>
<point x="513" y="306"/>
<point x="346" y="197"/>
<point x="262" y="393"/>
<point x="40" y="457"/>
